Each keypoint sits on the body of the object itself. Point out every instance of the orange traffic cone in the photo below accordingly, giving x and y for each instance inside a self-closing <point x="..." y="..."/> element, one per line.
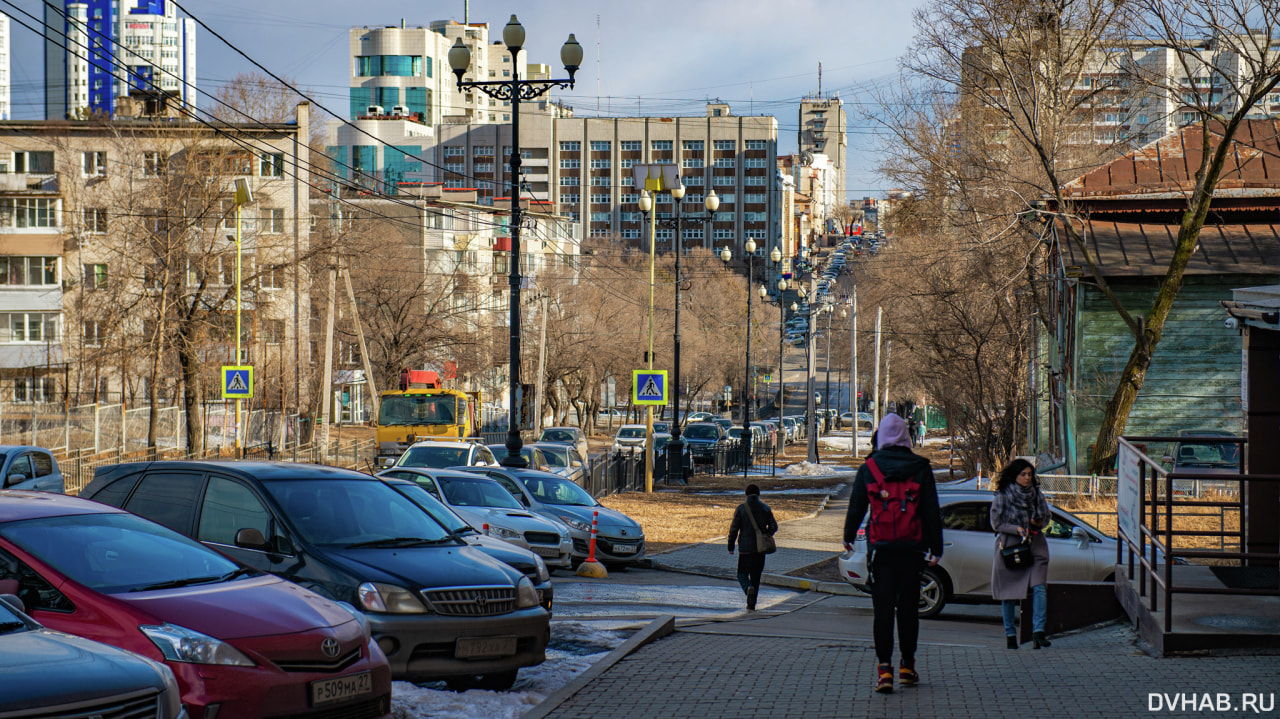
<point x="592" y="568"/>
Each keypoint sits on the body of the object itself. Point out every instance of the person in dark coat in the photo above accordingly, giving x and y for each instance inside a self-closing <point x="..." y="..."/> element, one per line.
<point x="1019" y="511"/>
<point x="895" y="570"/>
<point x="743" y="533"/>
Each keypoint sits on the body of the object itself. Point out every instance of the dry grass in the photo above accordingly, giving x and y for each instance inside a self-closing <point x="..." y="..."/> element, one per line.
<point x="1101" y="513"/>
<point x="673" y="519"/>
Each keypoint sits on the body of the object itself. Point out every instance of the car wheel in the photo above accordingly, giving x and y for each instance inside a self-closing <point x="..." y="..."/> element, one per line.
<point x="935" y="591"/>
<point x="499" y="682"/>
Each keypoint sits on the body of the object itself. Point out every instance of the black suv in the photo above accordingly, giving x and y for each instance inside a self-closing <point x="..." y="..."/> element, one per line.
<point x="703" y="440"/>
<point x="438" y="608"/>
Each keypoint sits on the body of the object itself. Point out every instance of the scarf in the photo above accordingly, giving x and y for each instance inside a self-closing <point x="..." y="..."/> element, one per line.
<point x="1023" y="505"/>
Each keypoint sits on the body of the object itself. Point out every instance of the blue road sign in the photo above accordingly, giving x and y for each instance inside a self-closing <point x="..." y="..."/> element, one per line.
<point x="237" y="382"/>
<point x="648" y="386"/>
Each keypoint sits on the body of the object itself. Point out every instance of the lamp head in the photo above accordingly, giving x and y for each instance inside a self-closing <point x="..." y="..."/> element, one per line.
<point x="776" y="255"/>
<point x="726" y="254"/>
<point x="843" y="313"/>
<point x="513" y="34"/>
<point x="459" y="59"/>
<point x="782" y="285"/>
<point x="764" y="292"/>
<point x="646" y="201"/>
<point x="571" y="56"/>
<point x="795" y="307"/>
<point x="712" y="202"/>
<point x="677" y="192"/>
<point x="801" y="292"/>
<point x="243" y="193"/>
<point x="750" y="247"/>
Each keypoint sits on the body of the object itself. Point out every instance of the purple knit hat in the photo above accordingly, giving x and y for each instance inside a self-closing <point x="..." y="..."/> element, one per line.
<point x="892" y="432"/>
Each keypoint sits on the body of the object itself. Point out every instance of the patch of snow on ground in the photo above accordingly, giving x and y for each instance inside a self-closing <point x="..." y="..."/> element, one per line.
<point x="763" y="492"/>
<point x="575" y="646"/>
<point x="808" y="469"/>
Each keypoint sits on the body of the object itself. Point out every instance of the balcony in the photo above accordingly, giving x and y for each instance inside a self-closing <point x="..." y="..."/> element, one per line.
<point x="24" y="182"/>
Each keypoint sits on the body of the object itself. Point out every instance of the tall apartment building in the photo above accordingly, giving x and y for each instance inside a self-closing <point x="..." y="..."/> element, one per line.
<point x="5" y="47"/>
<point x="97" y="51"/>
<point x="824" y="131"/>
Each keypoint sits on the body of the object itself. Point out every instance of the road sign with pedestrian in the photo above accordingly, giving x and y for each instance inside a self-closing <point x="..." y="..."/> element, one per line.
<point x="237" y="382"/>
<point x="648" y="386"/>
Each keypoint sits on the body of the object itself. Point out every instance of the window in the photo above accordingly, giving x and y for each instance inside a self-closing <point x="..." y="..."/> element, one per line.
<point x="272" y="278"/>
<point x="631" y="234"/>
<point x="727" y="198"/>
<point x="599" y="198"/>
<point x="571" y="146"/>
<point x="725" y="145"/>
<point x="28" y="327"/>
<point x="273" y="333"/>
<point x="726" y="162"/>
<point x="28" y="212"/>
<point x="755" y="162"/>
<point x="390" y="66"/>
<point x="167" y="498"/>
<point x="755" y="235"/>
<point x="33" y="589"/>
<point x="95" y="219"/>
<point x="229" y="507"/>
<point x="755" y="180"/>
<point x="753" y="197"/>
<point x="570" y="164"/>
<point x="271" y="164"/>
<point x="626" y="163"/>
<point x="29" y="271"/>
<point x="153" y="164"/>
<point x="722" y="180"/>
<point x="694" y="180"/>
<point x="482" y="167"/>
<point x="628" y="198"/>
<point x="570" y="199"/>
<point x="627" y="181"/>
<point x="273" y="220"/>
<point x="600" y="146"/>
<point x="755" y="216"/>
<point x="692" y="145"/>
<point x="632" y="216"/>
<point x="569" y="180"/>
<point x="718" y="234"/>
<point x="663" y="234"/>
<point x="691" y="162"/>
<point x="454" y="151"/>
<point x="601" y="164"/>
<point x="601" y="181"/>
<point x="92" y="334"/>
<point x="601" y="216"/>
<point x="693" y="233"/>
<point x="757" y="145"/>
<point x="660" y="145"/>
<point x="967" y="517"/>
<point x="629" y="146"/>
<point x="33" y="162"/>
<point x="482" y="150"/>
<point x="95" y="276"/>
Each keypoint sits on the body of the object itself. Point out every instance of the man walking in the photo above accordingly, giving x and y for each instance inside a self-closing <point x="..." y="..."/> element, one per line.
<point x="903" y="534"/>
<point x="754" y="521"/>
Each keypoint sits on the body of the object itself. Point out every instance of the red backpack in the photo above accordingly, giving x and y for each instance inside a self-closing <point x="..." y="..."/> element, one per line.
<point x="895" y="521"/>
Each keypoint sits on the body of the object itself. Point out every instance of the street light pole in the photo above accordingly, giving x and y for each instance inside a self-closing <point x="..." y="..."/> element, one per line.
<point x="776" y="256"/>
<point x="243" y="196"/>
<point x="513" y="91"/>
<point x="727" y="255"/>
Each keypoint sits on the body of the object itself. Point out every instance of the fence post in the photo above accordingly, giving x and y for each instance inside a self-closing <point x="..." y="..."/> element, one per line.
<point x="1093" y="486"/>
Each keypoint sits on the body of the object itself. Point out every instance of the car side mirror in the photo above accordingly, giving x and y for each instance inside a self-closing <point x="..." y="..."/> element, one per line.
<point x="13" y="601"/>
<point x="1081" y="536"/>
<point x="575" y="463"/>
<point x="1167" y="459"/>
<point x="251" y="538"/>
<point x="16" y="478"/>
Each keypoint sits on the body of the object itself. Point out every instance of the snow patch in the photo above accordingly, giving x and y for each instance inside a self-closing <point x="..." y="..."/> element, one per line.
<point x="809" y="469"/>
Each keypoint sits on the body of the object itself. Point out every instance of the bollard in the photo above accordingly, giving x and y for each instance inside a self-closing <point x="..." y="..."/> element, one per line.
<point x="485" y="526"/>
<point x="592" y="568"/>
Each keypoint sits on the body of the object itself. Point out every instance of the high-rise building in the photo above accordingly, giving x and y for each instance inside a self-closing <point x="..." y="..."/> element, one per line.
<point x="97" y="51"/>
<point x="824" y="131"/>
<point x="4" y="66"/>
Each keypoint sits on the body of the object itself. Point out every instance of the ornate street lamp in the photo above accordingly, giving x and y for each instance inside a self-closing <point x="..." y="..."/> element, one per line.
<point x="513" y="91"/>
<point x="726" y="254"/>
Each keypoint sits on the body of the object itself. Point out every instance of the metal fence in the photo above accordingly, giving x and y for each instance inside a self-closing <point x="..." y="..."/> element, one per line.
<point x="1093" y="485"/>
<point x="614" y="473"/>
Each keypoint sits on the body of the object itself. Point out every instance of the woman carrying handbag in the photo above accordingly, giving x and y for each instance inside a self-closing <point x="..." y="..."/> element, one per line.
<point x="752" y="530"/>
<point x="1018" y="514"/>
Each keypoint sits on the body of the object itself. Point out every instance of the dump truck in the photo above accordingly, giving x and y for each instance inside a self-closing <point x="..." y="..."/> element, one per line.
<point x="423" y="409"/>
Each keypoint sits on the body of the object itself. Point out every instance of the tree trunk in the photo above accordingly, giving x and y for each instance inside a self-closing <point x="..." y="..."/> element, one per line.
<point x="192" y="390"/>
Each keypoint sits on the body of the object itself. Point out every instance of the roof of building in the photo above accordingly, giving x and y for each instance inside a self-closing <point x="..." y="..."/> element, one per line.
<point x="1135" y="249"/>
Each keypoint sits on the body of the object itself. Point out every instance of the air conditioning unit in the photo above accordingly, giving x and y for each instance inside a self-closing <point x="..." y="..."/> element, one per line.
<point x="399" y="111"/>
<point x="374" y="110"/>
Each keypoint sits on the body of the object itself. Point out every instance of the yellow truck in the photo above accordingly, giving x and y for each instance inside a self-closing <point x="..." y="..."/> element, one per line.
<point x="422" y="409"/>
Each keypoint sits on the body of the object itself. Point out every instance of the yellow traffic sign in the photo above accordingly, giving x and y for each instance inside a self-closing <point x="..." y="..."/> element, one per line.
<point x="237" y="382"/>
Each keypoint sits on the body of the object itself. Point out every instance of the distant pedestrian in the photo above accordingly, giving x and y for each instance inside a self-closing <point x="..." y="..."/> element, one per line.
<point x="1019" y="513"/>
<point x="903" y="534"/>
<point x="912" y="428"/>
<point x="754" y="521"/>
<point x="922" y="431"/>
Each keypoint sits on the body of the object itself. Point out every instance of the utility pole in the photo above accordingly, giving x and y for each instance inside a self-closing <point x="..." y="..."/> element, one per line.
<point x="853" y="374"/>
<point x="888" y="348"/>
<point x="542" y="368"/>
<point x="809" y="403"/>
<point x="374" y="399"/>
<point x="875" y="388"/>
<point x="326" y="399"/>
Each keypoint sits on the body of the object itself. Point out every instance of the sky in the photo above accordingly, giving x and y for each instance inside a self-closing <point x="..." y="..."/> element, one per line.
<point x="660" y="57"/>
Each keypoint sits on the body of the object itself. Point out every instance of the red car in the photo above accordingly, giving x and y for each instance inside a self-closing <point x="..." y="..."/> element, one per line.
<point x="241" y="643"/>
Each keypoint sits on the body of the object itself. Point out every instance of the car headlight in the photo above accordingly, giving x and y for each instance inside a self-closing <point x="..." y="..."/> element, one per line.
<point x="361" y="618"/>
<point x="503" y="532"/>
<point x="179" y="644"/>
<point x="377" y="597"/>
<point x="577" y="524"/>
<point x="526" y="595"/>
<point x="543" y="574"/>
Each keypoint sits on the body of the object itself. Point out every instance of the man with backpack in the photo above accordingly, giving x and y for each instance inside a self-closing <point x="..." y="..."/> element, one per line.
<point x="903" y="534"/>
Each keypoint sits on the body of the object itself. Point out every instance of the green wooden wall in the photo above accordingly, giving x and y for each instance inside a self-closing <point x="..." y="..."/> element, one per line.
<point x="1194" y="378"/>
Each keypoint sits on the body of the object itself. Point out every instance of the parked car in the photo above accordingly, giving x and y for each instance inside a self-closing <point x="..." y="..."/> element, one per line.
<point x="769" y="432"/>
<point x="846" y="420"/>
<point x="1079" y="553"/>
<point x="26" y="467"/>
<point x="525" y="561"/>
<point x="699" y="417"/>
<point x="533" y="457"/>
<point x="240" y="643"/>
<point x="562" y="459"/>
<point x="44" y="674"/>
<point x="619" y="539"/>
<point x="437" y="608"/>
<point x="486" y="506"/>
<point x="704" y="439"/>
<point x="866" y="421"/>
<point x="630" y="438"/>
<point x="1204" y="457"/>
<point x="661" y="426"/>
<point x="445" y="453"/>
<point x="568" y="435"/>
<point x="605" y="416"/>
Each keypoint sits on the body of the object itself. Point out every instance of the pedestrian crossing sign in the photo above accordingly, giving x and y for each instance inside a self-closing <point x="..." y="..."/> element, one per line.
<point x="648" y="386"/>
<point x="237" y="382"/>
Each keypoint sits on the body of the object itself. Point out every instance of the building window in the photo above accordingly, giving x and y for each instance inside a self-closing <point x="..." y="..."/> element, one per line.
<point x="753" y="198"/>
<point x="600" y="181"/>
<point x="729" y="145"/>
<point x="273" y="221"/>
<point x="482" y="150"/>
<point x="273" y="333"/>
<point x="95" y="164"/>
<point x="692" y="145"/>
<point x="34" y="389"/>
<point x="92" y="334"/>
<point x="693" y="180"/>
<point x="627" y="181"/>
<point x="631" y="234"/>
<point x="33" y="162"/>
<point x="153" y="164"/>
<point x="95" y="276"/>
<point x="571" y="146"/>
<point x="271" y="164"/>
<point x="28" y="327"/>
<point x="691" y="162"/>
<point x="722" y="234"/>
<point x="755" y="162"/>
<point x="693" y="233"/>
<point x="95" y="219"/>
<point x="569" y="180"/>
<point x="454" y="151"/>
<point x="757" y="145"/>
<point x="660" y="145"/>
<point x="722" y="180"/>
<point x="754" y="216"/>
<point x="752" y="180"/>
<point x="632" y="216"/>
<point x="389" y="66"/>
<point x="727" y="198"/>
<point x="570" y="164"/>
<point x="663" y="234"/>
<point x="601" y="164"/>
<point x="601" y="216"/>
<point x="629" y="145"/>
<point x="754" y="235"/>
<point x="600" y="199"/>
<point x="28" y="271"/>
<point x="568" y="199"/>
<point x="600" y="146"/>
<point x="728" y="162"/>
<point x="482" y="167"/>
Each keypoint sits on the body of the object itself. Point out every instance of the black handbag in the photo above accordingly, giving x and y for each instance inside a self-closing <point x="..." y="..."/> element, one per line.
<point x="1017" y="556"/>
<point x="764" y="542"/>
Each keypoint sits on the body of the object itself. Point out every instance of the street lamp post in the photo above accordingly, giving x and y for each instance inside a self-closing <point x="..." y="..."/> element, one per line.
<point x="726" y="254"/>
<point x="243" y="196"/>
<point x="513" y="91"/>
<point x="776" y="256"/>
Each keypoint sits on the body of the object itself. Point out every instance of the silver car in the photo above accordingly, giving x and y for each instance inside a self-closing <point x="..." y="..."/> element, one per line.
<point x="563" y="460"/>
<point x="567" y="435"/>
<point x="1077" y="552"/>
<point x="26" y="467"/>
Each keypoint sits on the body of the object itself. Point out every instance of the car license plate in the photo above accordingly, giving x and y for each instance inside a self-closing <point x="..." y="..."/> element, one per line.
<point x="479" y="647"/>
<point x="552" y="552"/>
<point x="328" y="691"/>
<point x="624" y="549"/>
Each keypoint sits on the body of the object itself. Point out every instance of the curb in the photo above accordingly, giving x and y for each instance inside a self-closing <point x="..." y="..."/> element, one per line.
<point x="655" y="630"/>
<point x="788" y="582"/>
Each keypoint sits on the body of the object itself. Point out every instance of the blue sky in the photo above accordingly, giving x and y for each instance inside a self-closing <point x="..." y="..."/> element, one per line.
<point x="660" y="57"/>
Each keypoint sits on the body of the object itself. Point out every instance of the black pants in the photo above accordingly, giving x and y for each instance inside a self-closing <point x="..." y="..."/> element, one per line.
<point x="895" y="590"/>
<point x="750" y="567"/>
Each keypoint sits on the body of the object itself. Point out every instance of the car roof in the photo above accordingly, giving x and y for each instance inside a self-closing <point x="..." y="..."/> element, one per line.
<point x="571" y="429"/>
<point x="7" y="447"/>
<point x="632" y="426"/>
<point x="246" y="469"/>
<point x="451" y="473"/>
<point x="442" y="443"/>
<point x="18" y="504"/>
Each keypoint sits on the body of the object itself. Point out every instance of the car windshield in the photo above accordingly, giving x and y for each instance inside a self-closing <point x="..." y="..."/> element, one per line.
<point x="701" y="431"/>
<point x="549" y="490"/>
<point x="417" y="409"/>
<point x="432" y="506"/>
<point x="557" y="435"/>
<point x="631" y="433"/>
<point x="661" y="427"/>
<point x="736" y="432"/>
<point x="556" y="456"/>
<point x="115" y="553"/>
<point x="10" y="622"/>
<point x="328" y="512"/>
<point x="476" y="492"/>
<point x="1195" y="455"/>
<point x="437" y="457"/>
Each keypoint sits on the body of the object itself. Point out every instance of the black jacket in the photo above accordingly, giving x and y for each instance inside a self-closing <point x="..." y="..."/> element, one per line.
<point x="741" y="524"/>
<point x="895" y="461"/>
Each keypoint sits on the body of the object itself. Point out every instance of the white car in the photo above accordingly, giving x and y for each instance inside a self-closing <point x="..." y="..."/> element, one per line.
<point x="1077" y="552"/>
<point x="629" y="439"/>
<point x="444" y="453"/>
